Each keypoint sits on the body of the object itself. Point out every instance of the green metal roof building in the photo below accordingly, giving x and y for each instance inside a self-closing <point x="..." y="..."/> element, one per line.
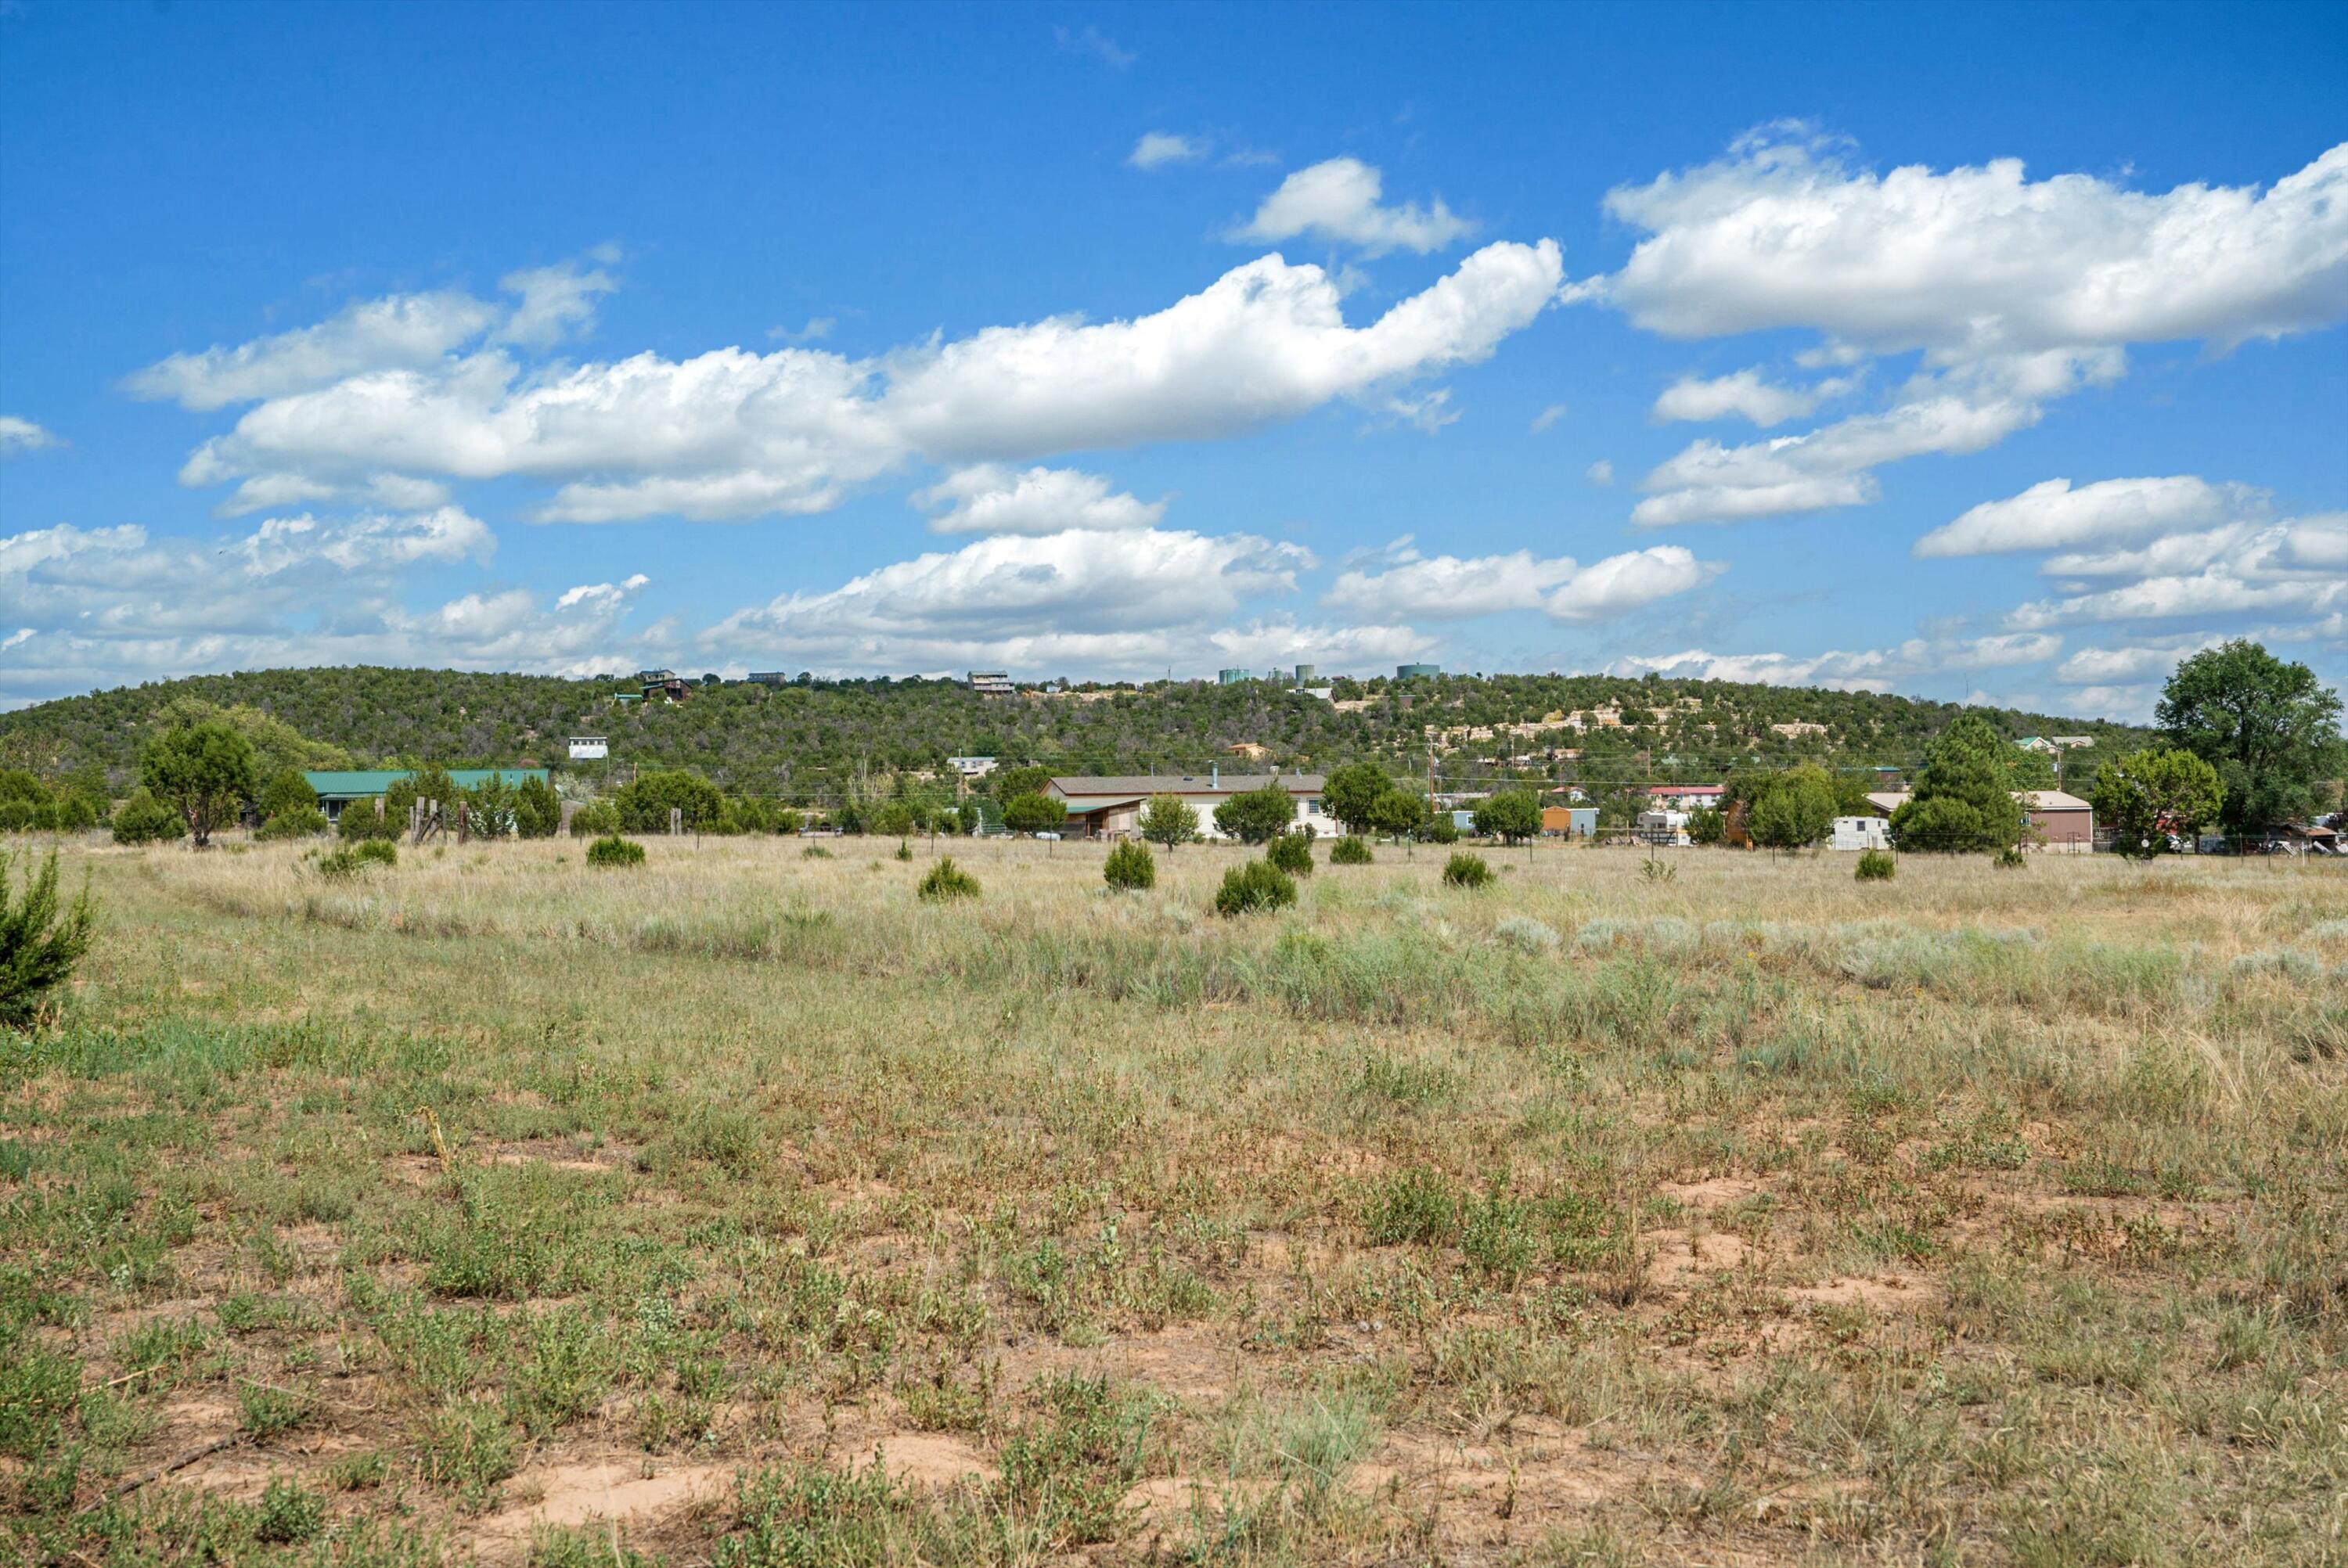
<point x="337" y="790"/>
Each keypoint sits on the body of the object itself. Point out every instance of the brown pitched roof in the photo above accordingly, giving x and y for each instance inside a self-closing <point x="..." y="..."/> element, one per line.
<point x="1137" y="786"/>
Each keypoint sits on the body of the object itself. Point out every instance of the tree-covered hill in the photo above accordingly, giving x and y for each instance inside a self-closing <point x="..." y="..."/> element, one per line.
<point x="814" y="741"/>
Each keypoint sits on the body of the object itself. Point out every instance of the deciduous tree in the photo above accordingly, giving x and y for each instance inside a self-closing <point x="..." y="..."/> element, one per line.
<point x="1352" y="794"/>
<point x="2146" y="796"/>
<point x="1169" y="820"/>
<point x="2268" y="728"/>
<point x="1511" y="815"/>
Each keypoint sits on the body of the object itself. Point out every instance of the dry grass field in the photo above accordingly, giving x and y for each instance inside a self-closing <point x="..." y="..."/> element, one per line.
<point x="741" y="1208"/>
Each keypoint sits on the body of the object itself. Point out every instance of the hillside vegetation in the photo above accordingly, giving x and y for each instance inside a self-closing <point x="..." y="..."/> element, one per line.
<point x="811" y="742"/>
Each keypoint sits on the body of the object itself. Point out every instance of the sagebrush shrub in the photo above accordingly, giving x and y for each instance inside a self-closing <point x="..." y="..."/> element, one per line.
<point x="1467" y="871"/>
<point x="612" y="850"/>
<point x="1291" y="853"/>
<point x="1129" y="865"/>
<point x="947" y="880"/>
<point x="1350" y="850"/>
<point x="1258" y="885"/>
<point x="1525" y="934"/>
<point x="1875" y="865"/>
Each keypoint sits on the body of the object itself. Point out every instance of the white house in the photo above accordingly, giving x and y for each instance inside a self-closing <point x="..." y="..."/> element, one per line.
<point x="1687" y="797"/>
<point x="1110" y="807"/>
<point x="972" y="767"/>
<point x="589" y="748"/>
<point x="1863" y="833"/>
<point x="1663" y="827"/>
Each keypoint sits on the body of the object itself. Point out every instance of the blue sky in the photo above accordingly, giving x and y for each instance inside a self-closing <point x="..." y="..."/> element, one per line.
<point x="1982" y="350"/>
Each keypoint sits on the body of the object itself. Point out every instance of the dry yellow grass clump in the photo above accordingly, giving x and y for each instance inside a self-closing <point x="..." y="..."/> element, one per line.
<point x="744" y="1208"/>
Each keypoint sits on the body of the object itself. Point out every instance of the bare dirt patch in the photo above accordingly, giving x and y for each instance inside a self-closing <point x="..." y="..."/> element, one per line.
<point x="616" y="1490"/>
<point x="933" y="1460"/>
<point x="1714" y="1193"/>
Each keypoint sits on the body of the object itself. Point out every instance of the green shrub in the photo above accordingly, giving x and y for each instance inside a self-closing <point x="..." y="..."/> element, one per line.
<point x="1130" y="866"/>
<point x="288" y="1514"/>
<point x="596" y="819"/>
<point x="1875" y="865"/>
<point x="292" y="821"/>
<point x="645" y="801"/>
<point x="1441" y="829"/>
<point x="1466" y="871"/>
<point x="1258" y="816"/>
<point x="947" y="880"/>
<point x="362" y="823"/>
<point x="1035" y="814"/>
<point x="1258" y="885"/>
<point x="536" y="809"/>
<point x="1418" y="1205"/>
<point x="1291" y="853"/>
<point x="40" y="942"/>
<point x="904" y="849"/>
<point x="2009" y="859"/>
<point x="351" y="860"/>
<point x="1350" y="850"/>
<point x="612" y="850"/>
<point x="264" y="1411"/>
<point x="143" y="819"/>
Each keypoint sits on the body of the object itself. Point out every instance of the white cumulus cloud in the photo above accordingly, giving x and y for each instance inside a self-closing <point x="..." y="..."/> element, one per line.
<point x="1781" y="234"/>
<point x="2053" y="514"/>
<point x="1451" y="587"/>
<point x="1158" y="149"/>
<point x="1744" y="395"/>
<point x="1339" y="201"/>
<point x="101" y="606"/>
<point x="1966" y="407"/>
<point x="18" y="436"/>
<point x="402" y="330"/>
<point x="1867" y="670"/>
<point x="1128" y="601"/>
<point x="988" y="498"/>
<point x="2015" y="292"/>
<point x="732" y="433"/>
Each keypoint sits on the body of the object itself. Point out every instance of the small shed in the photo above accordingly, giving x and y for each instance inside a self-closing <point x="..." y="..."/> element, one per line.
<point x="2065" y="824"/>
<point x="1570" y="821"/>
<point x="1862" y="833"/>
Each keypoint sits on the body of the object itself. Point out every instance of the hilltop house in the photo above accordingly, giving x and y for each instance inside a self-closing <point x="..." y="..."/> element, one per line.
<point x="1110" y="807"/>
<point x="1687" y="797"/>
